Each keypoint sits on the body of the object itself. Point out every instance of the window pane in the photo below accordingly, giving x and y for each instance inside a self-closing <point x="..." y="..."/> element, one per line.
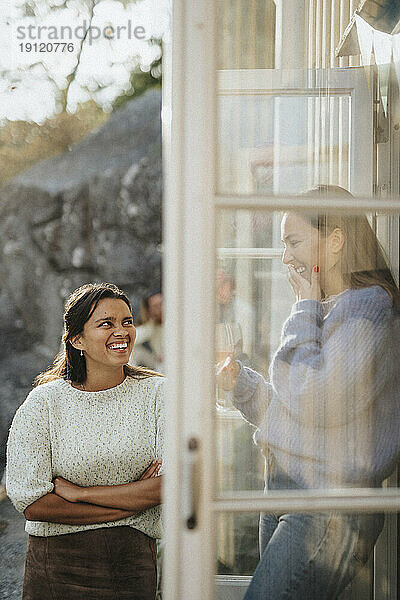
<point x="319" y="379"/>
<point x="370" y="537"/>
<point x="290" y="112"/>
<point x="283" y="142"/>
<point x="247" y="34"/>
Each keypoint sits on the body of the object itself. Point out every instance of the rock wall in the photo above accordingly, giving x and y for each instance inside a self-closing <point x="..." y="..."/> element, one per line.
<point x="70" y="221"/>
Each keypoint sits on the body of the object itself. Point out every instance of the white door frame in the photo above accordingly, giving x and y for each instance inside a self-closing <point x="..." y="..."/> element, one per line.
<point x="188" y="128"/>
<point x="189" y="118"/>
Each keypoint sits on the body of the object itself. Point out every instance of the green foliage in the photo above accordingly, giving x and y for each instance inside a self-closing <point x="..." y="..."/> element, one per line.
<point x="140" y="80"/>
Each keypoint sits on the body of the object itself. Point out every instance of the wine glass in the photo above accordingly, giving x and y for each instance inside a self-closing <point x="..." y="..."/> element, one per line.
<point x="228" y="345"/>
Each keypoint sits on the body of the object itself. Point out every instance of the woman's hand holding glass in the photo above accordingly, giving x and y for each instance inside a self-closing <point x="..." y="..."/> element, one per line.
<point x="227" y="372"/>
<point x="228" y="344"/>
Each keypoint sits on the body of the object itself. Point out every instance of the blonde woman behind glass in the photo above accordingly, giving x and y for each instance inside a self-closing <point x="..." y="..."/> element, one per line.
<point x="328" y="417"/>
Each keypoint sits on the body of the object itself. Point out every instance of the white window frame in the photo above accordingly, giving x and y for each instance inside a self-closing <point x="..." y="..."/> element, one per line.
<point x="334" y="82"/>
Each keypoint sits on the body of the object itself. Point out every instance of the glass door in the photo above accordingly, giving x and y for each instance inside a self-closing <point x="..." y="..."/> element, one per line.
<point x="258" y="112"/>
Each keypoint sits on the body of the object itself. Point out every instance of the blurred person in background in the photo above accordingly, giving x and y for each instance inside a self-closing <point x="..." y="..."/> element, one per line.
<point x="3" y="491"/>
<point x="232" y="309"/>
<point x="149" y="350"/>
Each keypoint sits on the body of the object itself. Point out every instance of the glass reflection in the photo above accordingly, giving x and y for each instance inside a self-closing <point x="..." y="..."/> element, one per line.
<point x="327" y="414"/>
<point x="276" y="142"/>
<point x="236" y="561"/>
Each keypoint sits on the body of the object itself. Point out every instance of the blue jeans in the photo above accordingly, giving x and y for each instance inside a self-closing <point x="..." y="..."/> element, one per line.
<point x="311" y="556"/>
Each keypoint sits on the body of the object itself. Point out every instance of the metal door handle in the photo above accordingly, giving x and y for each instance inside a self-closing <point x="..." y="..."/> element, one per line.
<point x="190" y="483"/>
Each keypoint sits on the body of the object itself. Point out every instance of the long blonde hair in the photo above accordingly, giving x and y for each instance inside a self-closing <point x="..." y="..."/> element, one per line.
<point x="362" y="261"/>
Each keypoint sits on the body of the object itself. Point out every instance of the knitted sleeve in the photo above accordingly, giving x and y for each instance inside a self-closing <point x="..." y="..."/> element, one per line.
<point x="252" y="395"/>
<point x="328" y="370"/>
<point x="160" y="422"/>
<point x="29" y="472"/>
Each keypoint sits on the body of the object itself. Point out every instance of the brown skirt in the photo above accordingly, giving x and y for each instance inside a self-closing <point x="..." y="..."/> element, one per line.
<point x="110" y="563"/>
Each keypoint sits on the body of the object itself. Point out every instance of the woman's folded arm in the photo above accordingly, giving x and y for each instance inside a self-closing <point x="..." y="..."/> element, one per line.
<point x="51" y="508"/>
<point x="135" y="496"/>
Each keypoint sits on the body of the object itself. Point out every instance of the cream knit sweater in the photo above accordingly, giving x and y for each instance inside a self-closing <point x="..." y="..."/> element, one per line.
<point x="90" y="438"/>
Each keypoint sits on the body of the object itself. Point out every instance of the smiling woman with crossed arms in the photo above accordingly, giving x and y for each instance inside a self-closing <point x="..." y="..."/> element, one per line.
<point x="84" y="459"/>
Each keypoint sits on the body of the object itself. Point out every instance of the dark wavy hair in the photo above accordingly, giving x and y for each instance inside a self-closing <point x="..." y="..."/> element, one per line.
<point x="68" y="363"/>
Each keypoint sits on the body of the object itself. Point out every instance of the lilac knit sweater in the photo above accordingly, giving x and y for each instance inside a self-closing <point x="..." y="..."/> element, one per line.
<point x="330" y="414"/>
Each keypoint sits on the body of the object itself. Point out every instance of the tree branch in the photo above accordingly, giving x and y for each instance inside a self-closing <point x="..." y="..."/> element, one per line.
<point x="72" y="75"/>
